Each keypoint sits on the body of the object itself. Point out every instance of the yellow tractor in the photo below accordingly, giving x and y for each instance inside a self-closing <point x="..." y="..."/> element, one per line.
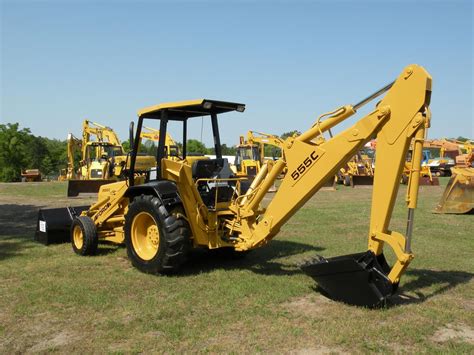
<point x="200" y="204"/>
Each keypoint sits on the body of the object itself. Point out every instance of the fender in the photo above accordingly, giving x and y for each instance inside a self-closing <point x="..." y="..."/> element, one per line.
<point x="165" y="190"/>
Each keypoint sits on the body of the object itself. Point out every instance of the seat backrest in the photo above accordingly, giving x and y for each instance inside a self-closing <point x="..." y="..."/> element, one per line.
<point x="206" y="169"/>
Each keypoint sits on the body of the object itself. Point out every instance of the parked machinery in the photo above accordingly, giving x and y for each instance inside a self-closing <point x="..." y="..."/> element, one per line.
<point x="200" y="204"/>
<point x="359" y="170"/>
<point x="103" y="159"/>
<point x="426" y="177"/>
<point x="443" y="155"/>
<point x="458" y="197"/>
<point x="30" y="175"/>
<point x="247" y="159"/>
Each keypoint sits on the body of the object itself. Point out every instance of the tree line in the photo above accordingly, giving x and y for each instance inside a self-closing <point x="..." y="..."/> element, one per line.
<point x="21" y="150"/>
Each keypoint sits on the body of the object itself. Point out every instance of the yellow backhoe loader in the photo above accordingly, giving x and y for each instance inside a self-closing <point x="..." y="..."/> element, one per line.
<point x="171" y="148"/>
<point x="358" y="171"/>
<point x="200" y="205"/>
<point x="247" y="159"/>
<point x="103" y="159"/>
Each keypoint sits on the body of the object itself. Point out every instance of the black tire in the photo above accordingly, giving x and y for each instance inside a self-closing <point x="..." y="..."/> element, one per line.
<point x="83" y="228"/>
<point x="173" y="239"/>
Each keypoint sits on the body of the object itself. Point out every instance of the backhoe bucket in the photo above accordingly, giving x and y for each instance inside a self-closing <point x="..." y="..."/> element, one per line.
<point x="53" y="224"/>
<point x="356" y="279"/>
<point x="458" y="197"/>
<point x="76" y="187"/>
<point x="362" y="180"/>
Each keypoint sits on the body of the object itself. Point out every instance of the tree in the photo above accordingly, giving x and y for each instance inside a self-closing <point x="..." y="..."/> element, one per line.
<point x="227" y="150"/>
<point x="290" y="134"/>
<point x="195" y="146"/>
<point x="13" y="151"/>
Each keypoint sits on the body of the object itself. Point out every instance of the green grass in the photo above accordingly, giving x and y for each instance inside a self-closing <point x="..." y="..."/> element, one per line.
<point x="51" y="299"/>
<point x="34" y="189"/>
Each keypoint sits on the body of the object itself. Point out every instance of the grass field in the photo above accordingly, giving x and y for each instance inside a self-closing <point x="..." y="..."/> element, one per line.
<point x="53" y="300"/>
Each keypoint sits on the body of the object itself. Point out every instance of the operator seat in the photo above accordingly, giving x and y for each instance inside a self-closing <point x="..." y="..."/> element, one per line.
<point x="213" y="169"/>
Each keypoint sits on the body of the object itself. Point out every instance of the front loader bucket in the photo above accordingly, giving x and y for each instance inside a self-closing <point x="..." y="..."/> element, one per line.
<point x="76" y="187"/>
<point x="362" y="180"/>
<point x="357" y="279"/>
<point x="53" y="224"/>
<point x="458" y="197"/>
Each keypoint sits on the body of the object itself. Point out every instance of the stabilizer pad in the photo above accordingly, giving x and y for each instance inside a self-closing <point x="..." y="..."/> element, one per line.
<point x="357" y="279"/>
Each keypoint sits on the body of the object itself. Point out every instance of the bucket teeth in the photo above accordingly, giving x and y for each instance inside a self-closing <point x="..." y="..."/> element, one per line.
<point x="357" y="279"/>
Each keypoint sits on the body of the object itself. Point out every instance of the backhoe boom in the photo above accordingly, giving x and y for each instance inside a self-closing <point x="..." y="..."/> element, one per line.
<point x="401" y="115"/>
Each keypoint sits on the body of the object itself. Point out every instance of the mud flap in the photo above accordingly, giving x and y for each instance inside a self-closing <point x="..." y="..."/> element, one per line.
<point x="53" y="224"/>
<point x="76" y="187"/>
<point x="362" y="180"/>
<point x="357" y="279"/>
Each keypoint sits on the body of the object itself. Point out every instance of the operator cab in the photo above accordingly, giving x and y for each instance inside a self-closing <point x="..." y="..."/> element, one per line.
<point x="211" y="176"/>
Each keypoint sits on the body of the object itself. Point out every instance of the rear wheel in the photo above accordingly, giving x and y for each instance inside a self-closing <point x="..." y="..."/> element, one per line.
<point x="84" y="238"/>
<point x="157" y="241"/>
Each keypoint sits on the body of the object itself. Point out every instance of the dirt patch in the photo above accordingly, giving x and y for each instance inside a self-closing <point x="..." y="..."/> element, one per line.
<point x="58" y="340"/>
<point x="309" y="305"/>
<point x="319" y="350"/>
<point x="455" y="332"/>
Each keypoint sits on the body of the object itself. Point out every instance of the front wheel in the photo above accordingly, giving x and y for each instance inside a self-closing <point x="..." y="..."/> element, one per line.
<point x="84" y="237"/>
<point x="157" y="241"/>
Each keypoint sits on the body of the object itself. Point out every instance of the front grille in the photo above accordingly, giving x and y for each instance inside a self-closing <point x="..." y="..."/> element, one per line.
<point x="96" y="174"/>
<point x="251" y="170"/>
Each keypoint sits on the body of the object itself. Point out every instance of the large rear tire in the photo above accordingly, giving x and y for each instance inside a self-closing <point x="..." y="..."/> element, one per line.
<point x="157" y="241"/>
<point x="84" y="238"/>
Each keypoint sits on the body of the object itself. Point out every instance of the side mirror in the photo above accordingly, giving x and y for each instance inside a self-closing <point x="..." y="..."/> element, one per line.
<point x="131" y="137"/>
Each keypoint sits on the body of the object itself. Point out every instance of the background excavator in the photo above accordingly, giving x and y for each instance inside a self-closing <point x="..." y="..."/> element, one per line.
<point x="103" y="159"/>
<point x="172" y="148"/>
<point x="199" y="204"/>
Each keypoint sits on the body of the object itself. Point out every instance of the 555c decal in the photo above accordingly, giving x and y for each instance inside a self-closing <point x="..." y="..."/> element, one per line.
<point x="300" y="170"/>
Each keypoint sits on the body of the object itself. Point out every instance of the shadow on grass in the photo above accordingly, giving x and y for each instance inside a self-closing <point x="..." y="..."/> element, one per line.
<point x="18" y="220"/>
<point x="17" y="228"/>
<point x="437" y="282"/>
<point x="261" y="261"/>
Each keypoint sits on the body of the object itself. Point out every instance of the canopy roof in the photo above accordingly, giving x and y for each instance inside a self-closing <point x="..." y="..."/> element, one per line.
<point x="182" y="110"/>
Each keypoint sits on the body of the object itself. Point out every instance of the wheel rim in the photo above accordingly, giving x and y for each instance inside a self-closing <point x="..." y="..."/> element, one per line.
<point x="145" y="236"/>
<point x="78" y="237"/>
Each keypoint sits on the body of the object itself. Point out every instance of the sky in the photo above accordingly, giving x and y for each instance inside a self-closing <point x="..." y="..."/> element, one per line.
<point x="288" y="61"/>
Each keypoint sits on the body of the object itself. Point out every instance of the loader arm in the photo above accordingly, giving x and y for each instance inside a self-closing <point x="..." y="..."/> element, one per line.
<point x="73" y="144"/>
<point x="401" y="115"/>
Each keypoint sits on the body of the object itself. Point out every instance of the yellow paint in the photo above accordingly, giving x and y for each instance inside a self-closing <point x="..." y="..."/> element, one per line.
<point x="145" y="236"/>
